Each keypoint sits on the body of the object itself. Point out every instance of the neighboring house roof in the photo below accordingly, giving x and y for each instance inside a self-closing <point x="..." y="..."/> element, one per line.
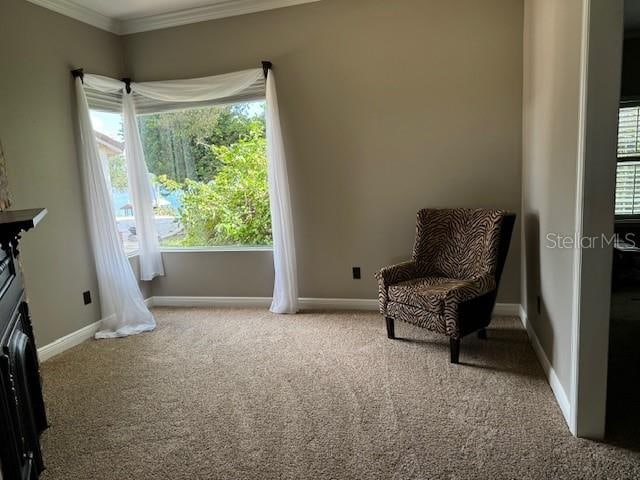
<point x="109" y="145"/>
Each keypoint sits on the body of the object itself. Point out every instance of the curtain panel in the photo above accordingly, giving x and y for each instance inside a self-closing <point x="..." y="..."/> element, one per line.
<point x="111" y="93"/>
<point x="123" y="309"/>
<point x="285" y="290"/>
<point x="153" y="97"/>
<point x="140" y="187"/>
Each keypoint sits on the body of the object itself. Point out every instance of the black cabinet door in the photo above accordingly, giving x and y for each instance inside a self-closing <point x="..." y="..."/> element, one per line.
<point x="17" y="460"/>
<point x="22" y="415"/>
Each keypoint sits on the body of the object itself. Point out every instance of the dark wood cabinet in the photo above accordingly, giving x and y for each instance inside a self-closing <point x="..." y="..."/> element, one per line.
<point x="22" y="413"/>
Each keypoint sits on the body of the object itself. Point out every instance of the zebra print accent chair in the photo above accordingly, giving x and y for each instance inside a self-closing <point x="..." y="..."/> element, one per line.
<point x="451" y="282"/>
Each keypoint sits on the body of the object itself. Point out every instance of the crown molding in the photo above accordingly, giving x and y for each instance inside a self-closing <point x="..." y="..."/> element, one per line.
<point x="219" y="9"/>
<point x="125" y="26"/>
<point x="80" y="13"/>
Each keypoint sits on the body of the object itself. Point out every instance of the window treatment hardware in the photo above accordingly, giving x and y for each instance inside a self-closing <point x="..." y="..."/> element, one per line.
<point x="266" y="66"/>
<point x="127" y="84"/>
<point x="78" y="72"/>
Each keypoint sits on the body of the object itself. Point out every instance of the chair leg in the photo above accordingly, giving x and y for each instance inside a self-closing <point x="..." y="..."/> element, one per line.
<point x="482" y="334"/>
<point x="454" y="347"/>
<point x="390" y="328"/>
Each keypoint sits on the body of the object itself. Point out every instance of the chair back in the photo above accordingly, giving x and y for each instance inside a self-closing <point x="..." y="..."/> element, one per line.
<point x="462" y="243"/>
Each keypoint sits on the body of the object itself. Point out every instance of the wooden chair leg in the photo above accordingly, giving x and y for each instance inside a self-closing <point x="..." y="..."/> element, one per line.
<point x="454" y="347"/>
<point x="390" y="328"/>
<point x="482" y="334"/>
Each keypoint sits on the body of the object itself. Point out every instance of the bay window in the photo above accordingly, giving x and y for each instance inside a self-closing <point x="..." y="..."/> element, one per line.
<point x="208" y="175"/>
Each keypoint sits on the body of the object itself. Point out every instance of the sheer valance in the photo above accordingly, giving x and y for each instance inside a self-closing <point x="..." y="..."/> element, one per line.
<point x="106" y="94"/>
<point x="103" y="93"/>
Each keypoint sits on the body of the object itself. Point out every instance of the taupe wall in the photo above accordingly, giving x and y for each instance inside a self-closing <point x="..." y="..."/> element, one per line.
<point x="222" y="274"/>
<point x="387" y="107"/>
<point x="552" y="45"/>
<point x="145" y="287"/>
<point x="37" y="50"/>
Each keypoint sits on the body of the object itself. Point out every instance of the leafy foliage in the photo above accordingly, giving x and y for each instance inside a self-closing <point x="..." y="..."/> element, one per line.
<point x="241" y="191"/>
<point x="178" y="144"/>
<point x="220" y="174"/>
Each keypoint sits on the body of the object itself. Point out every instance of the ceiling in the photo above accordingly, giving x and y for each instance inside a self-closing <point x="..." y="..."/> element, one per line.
<point x="132" y="16"/>
<point x="124" y="9"/>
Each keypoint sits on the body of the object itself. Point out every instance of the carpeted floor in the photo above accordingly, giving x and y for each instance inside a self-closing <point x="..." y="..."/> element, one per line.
<point x="243" y="394"/>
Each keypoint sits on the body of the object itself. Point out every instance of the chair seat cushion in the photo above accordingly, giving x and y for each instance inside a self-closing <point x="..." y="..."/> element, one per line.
<point x="426" y="293"/>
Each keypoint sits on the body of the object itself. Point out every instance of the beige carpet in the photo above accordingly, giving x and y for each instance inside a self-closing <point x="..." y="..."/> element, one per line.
<point x="243" y="394"/>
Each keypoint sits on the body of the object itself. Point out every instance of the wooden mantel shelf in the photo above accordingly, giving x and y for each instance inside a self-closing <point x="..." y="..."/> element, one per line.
<point x="13" y="223"/>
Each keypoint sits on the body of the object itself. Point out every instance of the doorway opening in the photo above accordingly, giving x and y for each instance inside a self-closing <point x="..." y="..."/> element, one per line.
<point x="623" y="383"/>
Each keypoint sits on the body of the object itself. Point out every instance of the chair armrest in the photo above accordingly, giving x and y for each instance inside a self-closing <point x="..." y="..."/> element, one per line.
<point x="473" y="289"/>
<point x="391" y="275"/>
<point x="397" y="273"/>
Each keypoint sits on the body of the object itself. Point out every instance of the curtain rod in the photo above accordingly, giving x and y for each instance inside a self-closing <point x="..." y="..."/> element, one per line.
<point x="79" y="72"/>
<point x="266" y="66"/>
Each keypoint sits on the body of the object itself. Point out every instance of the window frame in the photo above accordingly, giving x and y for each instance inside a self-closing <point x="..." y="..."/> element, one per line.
<point x="633" y="217"/>
<point x="196" y="249"/>
<point x="212" y="248"/>
<point x="227" y="249"/>
<point x="221" y="249"/>
<point x="630" y="217"/>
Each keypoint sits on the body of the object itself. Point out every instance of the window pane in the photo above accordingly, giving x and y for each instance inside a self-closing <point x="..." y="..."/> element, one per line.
<point x="628" y="188"/>
<point x="209" y="175"/>
<point x="108" y="129"/>
<point x="628" y="127"/>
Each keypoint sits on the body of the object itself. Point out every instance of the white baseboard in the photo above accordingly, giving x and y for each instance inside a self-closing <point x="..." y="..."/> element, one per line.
<point x="363" y="304"/>
<point x="68" y="341"/>
<point x="554" y="381"/>
<point x="264" y="302"/>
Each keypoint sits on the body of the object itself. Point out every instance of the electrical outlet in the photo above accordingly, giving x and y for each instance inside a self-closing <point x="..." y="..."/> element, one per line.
<point x="539" y="305"/>
<point x="356" y="273"/>
<point x="86" y="296"/>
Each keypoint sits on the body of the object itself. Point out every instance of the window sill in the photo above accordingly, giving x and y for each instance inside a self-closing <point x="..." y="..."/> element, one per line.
<point x="627" y="221"/>
<point x="215" y="249"/>
<point x="136" y="253"/>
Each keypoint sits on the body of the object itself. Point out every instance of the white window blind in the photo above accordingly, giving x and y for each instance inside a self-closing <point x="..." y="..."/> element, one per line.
<point x="628" y="128"/>
<point x="628" y="188"/>
<point x="628" y="170"/>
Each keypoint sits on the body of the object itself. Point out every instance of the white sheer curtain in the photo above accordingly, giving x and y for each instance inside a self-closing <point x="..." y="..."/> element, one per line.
<point x="285" y="290"/>
<point x="140" y="189"/>
<point x="152" y="95"/>
<point x="248" y="84"/>
<point x="113" y="92"/>
<point x="199" y="89"/>
<point x="123" y="309"/>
